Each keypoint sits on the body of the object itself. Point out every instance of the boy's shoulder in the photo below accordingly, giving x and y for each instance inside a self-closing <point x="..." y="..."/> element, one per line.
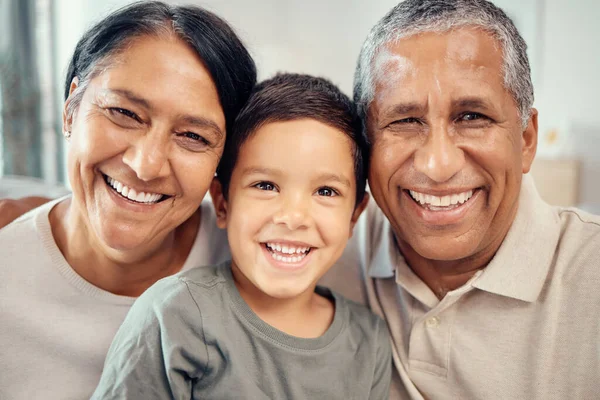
<point x="361" y="318"/>
<point x="208" y="275"/>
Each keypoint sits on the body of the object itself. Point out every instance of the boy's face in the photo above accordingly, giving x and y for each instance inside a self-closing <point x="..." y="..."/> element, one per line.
<point x="290" y="209"/>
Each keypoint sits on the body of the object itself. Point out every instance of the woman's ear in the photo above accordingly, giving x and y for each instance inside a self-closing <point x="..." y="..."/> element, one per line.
<point x="67" y="116"/>
<point x="219" y="202"/>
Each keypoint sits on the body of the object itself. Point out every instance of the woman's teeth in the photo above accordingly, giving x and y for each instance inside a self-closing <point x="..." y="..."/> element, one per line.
<point x="287" y="253"/>
<point x="131" y="194"/>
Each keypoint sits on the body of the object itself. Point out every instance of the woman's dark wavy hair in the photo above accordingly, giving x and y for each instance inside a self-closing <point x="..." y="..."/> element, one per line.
<point x="227" y="60"/>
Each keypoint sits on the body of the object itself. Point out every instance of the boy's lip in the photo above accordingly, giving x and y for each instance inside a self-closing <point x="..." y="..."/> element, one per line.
<point x="286" y="266"/>
<point x="285" y="242"/>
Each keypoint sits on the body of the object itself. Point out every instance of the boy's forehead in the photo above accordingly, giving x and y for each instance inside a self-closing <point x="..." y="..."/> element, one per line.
<point x="303" y="146"/>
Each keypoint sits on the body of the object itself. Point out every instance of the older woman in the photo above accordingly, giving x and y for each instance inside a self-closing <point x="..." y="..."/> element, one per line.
<point x="150" y="93"/>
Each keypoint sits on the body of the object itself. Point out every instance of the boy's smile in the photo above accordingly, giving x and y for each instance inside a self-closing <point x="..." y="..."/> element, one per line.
<point x="290" y="206"/>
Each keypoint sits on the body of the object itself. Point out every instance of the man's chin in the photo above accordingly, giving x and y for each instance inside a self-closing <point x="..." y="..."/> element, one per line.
<point x="443" y="249"/>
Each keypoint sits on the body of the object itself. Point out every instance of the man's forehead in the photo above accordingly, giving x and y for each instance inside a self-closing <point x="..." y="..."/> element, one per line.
<point x="456" y="62"/>
<point x="467" y="45"/>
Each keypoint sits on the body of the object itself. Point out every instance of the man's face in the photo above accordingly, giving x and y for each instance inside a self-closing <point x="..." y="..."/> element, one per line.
<point x="449" y="149"/>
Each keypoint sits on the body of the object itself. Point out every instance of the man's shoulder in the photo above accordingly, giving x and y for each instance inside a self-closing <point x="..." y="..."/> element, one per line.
<point x="579" y="242"/>
<point x="579" y="225"/>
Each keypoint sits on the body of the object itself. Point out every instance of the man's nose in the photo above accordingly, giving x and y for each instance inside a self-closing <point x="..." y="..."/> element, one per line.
<point x="148" y="155"/>
<point x="439" y="158"/>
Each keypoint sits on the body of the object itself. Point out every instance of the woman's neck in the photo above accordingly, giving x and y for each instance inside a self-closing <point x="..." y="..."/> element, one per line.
<point x="123" y="273"/>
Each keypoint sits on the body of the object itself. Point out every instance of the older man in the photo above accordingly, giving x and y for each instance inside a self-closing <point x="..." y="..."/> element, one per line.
<point x="489" y="292"/>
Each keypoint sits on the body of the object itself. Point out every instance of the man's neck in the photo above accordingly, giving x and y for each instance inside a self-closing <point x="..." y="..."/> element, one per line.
<point x="127" y="275"/>
<point x="444" y="276"/>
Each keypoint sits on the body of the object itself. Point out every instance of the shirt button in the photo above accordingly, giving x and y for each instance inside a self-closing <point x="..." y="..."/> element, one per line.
<point x="432" y="322"/>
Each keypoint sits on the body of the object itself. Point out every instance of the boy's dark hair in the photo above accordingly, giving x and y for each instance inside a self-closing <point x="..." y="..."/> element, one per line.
<point x="288" y="97"/>
<point x="230" y="65"/>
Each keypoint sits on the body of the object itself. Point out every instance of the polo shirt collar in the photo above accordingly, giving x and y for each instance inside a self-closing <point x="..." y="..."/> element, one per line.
<point x="521" y="264"/>
<point x="519" y="268"/>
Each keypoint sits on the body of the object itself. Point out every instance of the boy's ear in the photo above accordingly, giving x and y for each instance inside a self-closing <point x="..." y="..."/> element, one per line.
<point x="219" y="202"/>
<point x="360" y="207"/>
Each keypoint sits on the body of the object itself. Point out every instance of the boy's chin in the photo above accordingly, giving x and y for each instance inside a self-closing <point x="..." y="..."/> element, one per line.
<point x="285" y="292"/>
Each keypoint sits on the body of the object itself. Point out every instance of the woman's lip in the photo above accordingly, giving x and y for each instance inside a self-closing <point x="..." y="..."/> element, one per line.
<point x="443" y="217"/>
<point x="285" y="266"/>
<point x="128" y="204"/>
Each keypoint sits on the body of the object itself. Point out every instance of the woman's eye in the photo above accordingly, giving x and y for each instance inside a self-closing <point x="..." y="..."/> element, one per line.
<point x="409" y="120"/>
<point x="327" y="192"/>
<point x="194" y="136"/>
<point x="265" y="186"/>
<point x="124" y="112"/>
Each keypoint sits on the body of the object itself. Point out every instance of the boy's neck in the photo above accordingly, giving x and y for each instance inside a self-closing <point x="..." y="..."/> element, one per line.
<point x="308" y="315"/>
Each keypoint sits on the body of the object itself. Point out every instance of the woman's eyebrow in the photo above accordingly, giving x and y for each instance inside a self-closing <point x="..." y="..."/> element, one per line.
<point x="129" y="95"/>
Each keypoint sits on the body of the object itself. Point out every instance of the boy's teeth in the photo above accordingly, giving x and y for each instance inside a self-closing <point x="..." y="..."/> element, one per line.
<point x="131" y="194"/>
<point x="293" y="259"/>
<point x="287" y="249"/>
<point x="441" y="201"/>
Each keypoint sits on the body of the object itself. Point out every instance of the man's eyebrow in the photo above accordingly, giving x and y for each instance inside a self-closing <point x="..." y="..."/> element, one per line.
<point x="331" y="177"/>
<point x="129" y="95"/>
<point x="403" y="109"/>
<point x="471" y="102"/>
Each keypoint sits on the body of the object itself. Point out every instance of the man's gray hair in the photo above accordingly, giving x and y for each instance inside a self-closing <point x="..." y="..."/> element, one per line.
<point x="412" y="17"/>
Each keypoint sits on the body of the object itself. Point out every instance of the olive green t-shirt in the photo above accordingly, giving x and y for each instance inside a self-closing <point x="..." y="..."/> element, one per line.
<point x="193" y="336"/>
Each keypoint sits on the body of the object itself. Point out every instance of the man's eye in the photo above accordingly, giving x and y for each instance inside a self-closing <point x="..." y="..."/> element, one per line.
<point x="327" y="192"/>
<point x="471" y="116"/>
<point x="265" y="186"/>
<point x="117" y="111"/>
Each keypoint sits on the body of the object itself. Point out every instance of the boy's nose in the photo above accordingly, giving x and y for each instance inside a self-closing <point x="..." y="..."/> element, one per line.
<point x="293" y="213"/>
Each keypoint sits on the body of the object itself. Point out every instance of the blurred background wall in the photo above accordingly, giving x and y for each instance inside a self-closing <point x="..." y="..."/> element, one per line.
<point x="321" y="37"/>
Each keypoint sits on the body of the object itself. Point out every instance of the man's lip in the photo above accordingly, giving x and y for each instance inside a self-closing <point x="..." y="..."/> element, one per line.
<point x="442" y="192"/>
<point x="443" y="217"/>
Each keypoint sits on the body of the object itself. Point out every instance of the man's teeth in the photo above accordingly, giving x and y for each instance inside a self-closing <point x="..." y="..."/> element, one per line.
<point x="131" y="194"/>
<point x="296" y="254"/>
<point x="443" y="201"/>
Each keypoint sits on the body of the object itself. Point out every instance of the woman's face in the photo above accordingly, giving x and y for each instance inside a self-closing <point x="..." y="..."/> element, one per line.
<point x="145" y="143"/>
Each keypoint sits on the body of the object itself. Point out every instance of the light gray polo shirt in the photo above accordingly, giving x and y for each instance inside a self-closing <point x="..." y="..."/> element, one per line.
<point x="525" y="327"/>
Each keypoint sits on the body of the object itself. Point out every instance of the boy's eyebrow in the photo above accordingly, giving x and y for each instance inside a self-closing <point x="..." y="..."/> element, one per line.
<point x="260" y="170"/>
<point x="326" y="176"/>
<point x="334" y="177"/>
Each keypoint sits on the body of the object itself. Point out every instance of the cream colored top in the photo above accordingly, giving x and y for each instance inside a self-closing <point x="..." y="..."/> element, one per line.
<point x="525" y="327"/>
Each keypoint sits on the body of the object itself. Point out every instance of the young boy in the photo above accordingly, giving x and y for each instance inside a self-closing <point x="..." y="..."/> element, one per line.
<point x="289" y="190"/>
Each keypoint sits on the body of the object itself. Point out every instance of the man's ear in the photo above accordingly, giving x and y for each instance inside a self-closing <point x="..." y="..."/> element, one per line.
<point x="219" y="202"/>
<point x="360" y="207"/>
<point x="67" y="116"/>
<point x="529" y="141"/>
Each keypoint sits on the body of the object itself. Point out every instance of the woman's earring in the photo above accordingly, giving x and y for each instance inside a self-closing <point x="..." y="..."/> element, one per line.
<point x="67" y="134"/>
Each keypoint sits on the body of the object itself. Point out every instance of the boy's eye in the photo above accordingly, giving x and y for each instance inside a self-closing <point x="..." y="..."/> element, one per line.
<point x="327" y="192"/>
<point x="265" y="186"/>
